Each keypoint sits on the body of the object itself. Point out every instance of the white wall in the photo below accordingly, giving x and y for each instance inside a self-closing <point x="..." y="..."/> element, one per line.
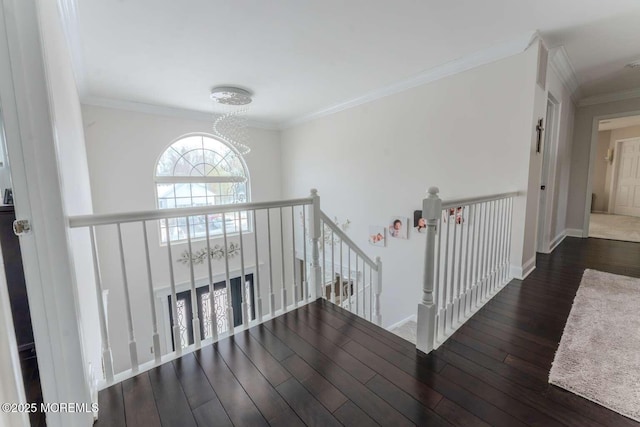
<point x="123" y="148"/>
<point x="581" y="153"/>
<point x="561" y="167"/>
<point x="470" y="134"/>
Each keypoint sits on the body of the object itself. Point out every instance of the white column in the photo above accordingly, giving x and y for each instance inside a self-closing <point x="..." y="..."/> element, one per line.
<point x="431" y="211"/>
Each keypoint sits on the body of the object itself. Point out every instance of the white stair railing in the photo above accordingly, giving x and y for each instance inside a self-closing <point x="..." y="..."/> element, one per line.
<point x="466" y="261"/>
<point x="214" y="265"/>
<point x="350" y="277"/>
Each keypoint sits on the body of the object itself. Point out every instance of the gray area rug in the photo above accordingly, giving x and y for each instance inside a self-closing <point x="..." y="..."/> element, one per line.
<point x="599" y="354"/>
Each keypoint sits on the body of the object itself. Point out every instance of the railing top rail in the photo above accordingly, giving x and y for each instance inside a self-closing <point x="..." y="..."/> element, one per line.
<point x="115" y="218"/>
<point x="341" y="234"/>
<point x="454" y="203"/>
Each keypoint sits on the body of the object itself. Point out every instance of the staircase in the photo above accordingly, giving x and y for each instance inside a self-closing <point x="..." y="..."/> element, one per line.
<point x="171" y="281"/>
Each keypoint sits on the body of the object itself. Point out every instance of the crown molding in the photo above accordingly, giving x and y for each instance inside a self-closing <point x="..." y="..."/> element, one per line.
<point x="494" y="53"/>
<point x="609" y="97"/>
<point x="71" y="28"/>
<point x="160" y="110"/>
<point x="561" y="64"/>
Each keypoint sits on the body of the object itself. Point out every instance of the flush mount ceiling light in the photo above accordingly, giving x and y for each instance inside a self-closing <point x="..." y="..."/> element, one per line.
<point x="229" y="95"/>
<point x="229" y="119"/>
<point x="633" y="65"/>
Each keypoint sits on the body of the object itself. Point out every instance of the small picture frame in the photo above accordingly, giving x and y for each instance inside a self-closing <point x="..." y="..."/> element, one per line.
<point x="399" y="227"/>
<point x="377" y="235"/>
<point x="8" y="196"/>
<point x="419" y="223"/>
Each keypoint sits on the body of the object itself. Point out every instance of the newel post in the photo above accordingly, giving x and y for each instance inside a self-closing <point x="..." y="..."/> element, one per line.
<point x="315" y="221"/>
<point x="431" y="211"/>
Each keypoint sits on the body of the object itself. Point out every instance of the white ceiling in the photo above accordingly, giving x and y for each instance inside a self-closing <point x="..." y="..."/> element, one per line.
<point x="621" y="122"/>
<point x="299" y="57"/>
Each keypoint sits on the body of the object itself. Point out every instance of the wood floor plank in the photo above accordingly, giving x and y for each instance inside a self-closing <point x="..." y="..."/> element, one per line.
<point x="368" y="401"/>
<point x="211" y="413"/>
<point x="411" y="408"/>
<point x="350" y="415"/>
<point x="139" y="404"/>
<point x="310" y="411"/>
<point x="265" y="397"/>
<point x="193" y="381"/>
<point x="457" y="415"/>
<point x="171" y="401"/>
<point x="111" y="404"/>
<point x="237" y="404"/>
<point x="337" y="354"/>
<point x="317" y="385"/>
<point x="263" y="360"/>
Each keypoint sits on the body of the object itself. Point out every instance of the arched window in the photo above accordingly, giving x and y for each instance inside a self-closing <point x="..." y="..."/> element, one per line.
<point x="199" y="170"/>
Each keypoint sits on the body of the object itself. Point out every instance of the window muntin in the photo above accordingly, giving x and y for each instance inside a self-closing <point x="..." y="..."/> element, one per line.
<point x="199" y="170"/>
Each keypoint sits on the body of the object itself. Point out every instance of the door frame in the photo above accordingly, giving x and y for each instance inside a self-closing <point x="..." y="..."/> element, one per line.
<point x="45" y="250"/>
<point x="615" y="171"/>
<point x="549" y="158"/>
<point x="592" y="159"/>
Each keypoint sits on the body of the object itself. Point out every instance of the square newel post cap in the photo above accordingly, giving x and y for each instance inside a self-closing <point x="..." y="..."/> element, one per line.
<point x="432" y="205"/>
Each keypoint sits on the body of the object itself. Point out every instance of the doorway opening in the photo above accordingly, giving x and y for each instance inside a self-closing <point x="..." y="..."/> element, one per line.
<point x="614" y="212"/>
<point x="16" y="287"/>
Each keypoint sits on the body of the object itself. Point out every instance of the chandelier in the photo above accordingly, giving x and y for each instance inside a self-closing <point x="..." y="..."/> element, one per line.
<point x="229" y="116"/>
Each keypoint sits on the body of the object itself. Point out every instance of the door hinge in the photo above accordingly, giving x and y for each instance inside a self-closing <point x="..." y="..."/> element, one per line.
<point x="21" y="227"/>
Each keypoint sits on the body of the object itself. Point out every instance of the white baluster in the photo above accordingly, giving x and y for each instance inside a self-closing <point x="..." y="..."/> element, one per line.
<point x="230" y="320"/>
<point x="454" y="282"/>
<point x="485" y="252"/>
<point x="174" y="303"/>
<point x="461" y="284"/>
<point x="243" y="278"/>
<point x="107" y="358"/>
<point x="377" y="316"/>
<point x="195" y="321"/>
<point x="283" y="288"/>
<point x="154" y="320"/>
<point x="510" y="215"/>
<point x="133" y="351"/>
<point x="304" y="254"/>
<point x="323" y="245"/>
<point x="445" y="268"/>
<point x="349" y="284"/>
<point x="441" y="294"/>
<point x="333" y="270"/>
<point x="315" y="249"/>
<point x="272" y="296"/>
<point x="467" y="263"/>
<point x="257" y="287"/>
<point x="356" y="285"/>
<point x="294" y="285"/>
<point x="431" y="211"/>
<point x="213" y="318"/>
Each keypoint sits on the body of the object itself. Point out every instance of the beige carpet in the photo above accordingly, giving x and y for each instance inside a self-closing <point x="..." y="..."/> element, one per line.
<point x="407" y="330"/>
<point x="599" y="354"/>
<point x="615" y="227"/>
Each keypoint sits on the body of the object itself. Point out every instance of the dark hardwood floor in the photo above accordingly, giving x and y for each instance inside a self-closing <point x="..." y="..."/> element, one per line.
<point x="320" y="365"/>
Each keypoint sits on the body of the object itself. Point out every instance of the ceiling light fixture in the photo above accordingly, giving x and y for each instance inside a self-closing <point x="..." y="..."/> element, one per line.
<point x="229" y="95"/>
<point x="229" y="121"/>
<point x="633" y="65"/>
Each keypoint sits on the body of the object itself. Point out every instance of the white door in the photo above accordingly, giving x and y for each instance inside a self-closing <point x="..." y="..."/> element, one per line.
<point x="627" y="192"/>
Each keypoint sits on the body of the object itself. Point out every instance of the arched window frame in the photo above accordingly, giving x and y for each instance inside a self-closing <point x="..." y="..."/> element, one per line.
<point x="177" y="226"/>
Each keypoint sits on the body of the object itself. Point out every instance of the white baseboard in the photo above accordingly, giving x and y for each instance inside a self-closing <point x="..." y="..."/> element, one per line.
<point x="574" y="232"/>
<point x="557" y="240"/>
<point x="521" y="272"/>
<point x="413" y="318"/>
